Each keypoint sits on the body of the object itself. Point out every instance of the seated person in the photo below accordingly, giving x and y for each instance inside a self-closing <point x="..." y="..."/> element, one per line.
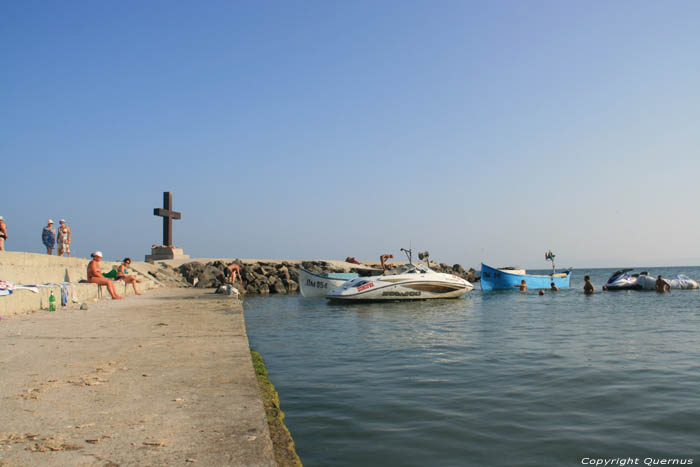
<point x="123" y="274"/>
<point x="95" y="275"/>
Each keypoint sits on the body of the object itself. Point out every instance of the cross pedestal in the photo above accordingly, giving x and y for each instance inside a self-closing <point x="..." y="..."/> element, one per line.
<point x="160" y="253"/>
<point x="166" y="250"/>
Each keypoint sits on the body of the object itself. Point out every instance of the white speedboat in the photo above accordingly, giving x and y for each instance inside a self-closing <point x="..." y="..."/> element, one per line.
<point x="318" y="285"/>
<point x="415" y="282"/>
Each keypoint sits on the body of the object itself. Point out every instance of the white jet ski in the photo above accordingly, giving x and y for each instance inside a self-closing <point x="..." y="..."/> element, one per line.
<point x="647" y="282"/>
<point x="415" y="282"/>
<point x="681" y="281"/>
<point x="621" y="280"/>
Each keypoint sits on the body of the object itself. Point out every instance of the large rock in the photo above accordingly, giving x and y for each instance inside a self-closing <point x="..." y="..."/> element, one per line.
<point x="277" y="286"/>
<point x="190" y="271"/>
<point x="210" y="277"/>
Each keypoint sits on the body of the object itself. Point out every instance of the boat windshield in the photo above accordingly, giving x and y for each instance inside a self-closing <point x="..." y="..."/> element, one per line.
<point x="415" y="269"/>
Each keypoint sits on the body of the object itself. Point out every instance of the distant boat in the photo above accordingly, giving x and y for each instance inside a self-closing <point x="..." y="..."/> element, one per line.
<point x="318" y="285"/>
<point x="504" y="279"/>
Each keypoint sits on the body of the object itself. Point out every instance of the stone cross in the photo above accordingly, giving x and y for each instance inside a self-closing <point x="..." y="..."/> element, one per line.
<point x="168" y="215"/>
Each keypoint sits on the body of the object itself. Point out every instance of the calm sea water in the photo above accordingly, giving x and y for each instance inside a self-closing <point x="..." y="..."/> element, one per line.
<point x="496" y="378"/>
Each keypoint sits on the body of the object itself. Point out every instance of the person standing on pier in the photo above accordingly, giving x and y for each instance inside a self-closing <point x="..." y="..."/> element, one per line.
<point x="3" y="233"/>
<point x="63" y="238"/>
<point x="48" y="237"/>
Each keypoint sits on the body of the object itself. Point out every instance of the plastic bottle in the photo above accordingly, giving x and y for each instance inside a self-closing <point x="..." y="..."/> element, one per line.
<point x="52" y="302"/>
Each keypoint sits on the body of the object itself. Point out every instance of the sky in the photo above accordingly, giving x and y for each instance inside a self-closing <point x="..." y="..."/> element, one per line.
<point x="480" y="131"/>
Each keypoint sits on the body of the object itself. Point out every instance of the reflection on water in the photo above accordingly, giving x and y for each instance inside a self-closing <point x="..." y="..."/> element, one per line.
<point x="497" y="378"/>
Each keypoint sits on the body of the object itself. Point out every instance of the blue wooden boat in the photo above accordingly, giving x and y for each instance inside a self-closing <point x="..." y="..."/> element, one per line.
<point x="495" y="279"/>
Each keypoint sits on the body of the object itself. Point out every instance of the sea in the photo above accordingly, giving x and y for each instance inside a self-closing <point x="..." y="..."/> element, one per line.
<point x="499" y="378"/>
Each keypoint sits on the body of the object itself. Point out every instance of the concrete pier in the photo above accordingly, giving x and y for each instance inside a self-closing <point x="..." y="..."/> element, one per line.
<point x="164" y="378"/>
<point x="33" y="268"/>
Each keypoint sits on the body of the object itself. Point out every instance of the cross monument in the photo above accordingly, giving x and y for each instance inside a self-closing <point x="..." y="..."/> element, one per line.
<point x="168" y="215"/>
<point x="166" y="250"/>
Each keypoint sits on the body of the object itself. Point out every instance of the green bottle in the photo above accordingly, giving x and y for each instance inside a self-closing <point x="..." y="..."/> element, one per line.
<point x="52" y="302"/>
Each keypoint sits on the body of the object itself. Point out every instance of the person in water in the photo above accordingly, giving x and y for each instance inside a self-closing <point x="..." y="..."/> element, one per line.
<point x="588" y="286"/>
<point x="95" y="275"/>
<point x="522" y="287"/>
<point x="553" y="287"/>
<point x="383" y="258"/>
<point x="661" y="285"/>
<point x="123" y="274"/>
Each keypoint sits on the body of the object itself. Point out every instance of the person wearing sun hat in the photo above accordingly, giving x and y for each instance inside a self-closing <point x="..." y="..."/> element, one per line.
<point x="48" y="237"/>
<point x="3" y="233"/>
<point x="95" y="275"/>
<point x="63" y="238"/>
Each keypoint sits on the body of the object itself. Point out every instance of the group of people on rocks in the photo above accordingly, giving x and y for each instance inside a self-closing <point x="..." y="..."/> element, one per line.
<point x="95" y="275"/>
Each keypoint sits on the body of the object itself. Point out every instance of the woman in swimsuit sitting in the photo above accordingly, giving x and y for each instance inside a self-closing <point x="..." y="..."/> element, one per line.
<point x="123" y="274"/>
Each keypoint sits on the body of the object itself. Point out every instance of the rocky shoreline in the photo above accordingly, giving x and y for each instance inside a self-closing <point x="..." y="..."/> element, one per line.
<point x="273" y="277"/>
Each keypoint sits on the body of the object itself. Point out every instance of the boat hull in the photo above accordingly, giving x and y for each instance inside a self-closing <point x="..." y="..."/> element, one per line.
<point x="429" y="285"/>
<point x="316" y="285"/>
<point x="496" y="279"/>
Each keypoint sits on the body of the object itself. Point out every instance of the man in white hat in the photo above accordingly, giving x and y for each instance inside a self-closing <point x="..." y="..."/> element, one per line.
<point x="95" y="276"/>
<point x="48" y="237"/>
<point x="3" y="233"/>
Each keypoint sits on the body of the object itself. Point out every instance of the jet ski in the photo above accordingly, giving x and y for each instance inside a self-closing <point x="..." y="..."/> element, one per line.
<point x="647" y="282"/>
<point x="621" y="280"/>
<point x="414" y="282"/>
<point x="681" y="281"/>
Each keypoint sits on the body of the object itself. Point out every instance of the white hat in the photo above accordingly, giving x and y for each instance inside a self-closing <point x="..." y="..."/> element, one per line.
<point x="1" y="218"/>
<point x="97" y="253"/>
<point x="62" y="220"/>
<point x="50" y="221"/>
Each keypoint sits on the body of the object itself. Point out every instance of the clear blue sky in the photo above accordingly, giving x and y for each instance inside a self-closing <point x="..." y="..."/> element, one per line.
<point x="481" y="131"/>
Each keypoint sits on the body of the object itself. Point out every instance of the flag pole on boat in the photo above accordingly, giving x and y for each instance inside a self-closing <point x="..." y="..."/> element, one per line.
<point x="549" y="256"/>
